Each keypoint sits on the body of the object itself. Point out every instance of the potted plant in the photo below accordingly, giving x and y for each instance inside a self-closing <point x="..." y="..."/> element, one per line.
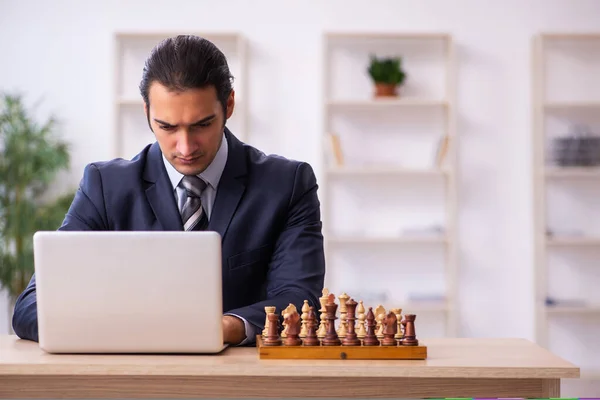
<point x="30" y="158"/>
<point x="387" y="74"/>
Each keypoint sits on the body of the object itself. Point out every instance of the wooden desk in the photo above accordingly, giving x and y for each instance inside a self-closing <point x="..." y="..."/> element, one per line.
<point x="454" y="368"/>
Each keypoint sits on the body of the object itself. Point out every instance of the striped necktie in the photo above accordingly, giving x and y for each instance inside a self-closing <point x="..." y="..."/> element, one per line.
<point x="192" y="214"/>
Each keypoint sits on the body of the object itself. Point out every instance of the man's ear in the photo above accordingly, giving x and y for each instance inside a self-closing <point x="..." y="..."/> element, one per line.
<point x="230" y="104"/>
<point x="147" y="112"/>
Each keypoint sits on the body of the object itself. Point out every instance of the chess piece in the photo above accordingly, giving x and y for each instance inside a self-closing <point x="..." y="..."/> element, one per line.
<point x="285" y="313"/>
<point x="311" y="338"/>
<point x="351" y="339"/>
<point x="379" y="315"/>
<point x="331" y="338"/>
<point x="370" y="338"/>
<point x="410" y="335"/>
<point x="268" y="310"/>
<point x="305" y="308"/>
<point x="390" y="327"/>
<point x="343" y="325"/>
<point x="362" y="331"/>
<point x="323" y="325"/>
<point x="402" y="324"/>
<point x="293" y="330"/>
<point x="273" y="338"/>
<point x="398" y="312"/>
<point x="342" y="328"/>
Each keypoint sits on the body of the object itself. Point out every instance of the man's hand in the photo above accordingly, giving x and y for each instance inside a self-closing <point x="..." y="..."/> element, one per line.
<point x="234" y="331"/>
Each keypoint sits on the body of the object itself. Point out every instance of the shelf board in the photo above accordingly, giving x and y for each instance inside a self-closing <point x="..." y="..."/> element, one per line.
<point x="571" y="35"/>
<point x="572" y="241"/>
<point x="592" y="309"/>
<point x="572" y="104"/>
<point x="385" y="170"/>
<point x="416" y="307"/>
<point x="211" y="35"/>
<point x="138" y="101"/>
<point x="400" y="240"/>
<point x="130" y="102"/>
<point x="387" y="35"/>
<point x="572" y="172"/>
<point x="386" y="102"/>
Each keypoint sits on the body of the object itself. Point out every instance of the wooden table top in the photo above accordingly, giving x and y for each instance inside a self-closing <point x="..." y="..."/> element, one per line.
<point x="447" y="358"/>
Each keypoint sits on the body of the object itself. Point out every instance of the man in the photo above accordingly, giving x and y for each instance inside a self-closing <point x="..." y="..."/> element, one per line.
<point x="197" y="176"/>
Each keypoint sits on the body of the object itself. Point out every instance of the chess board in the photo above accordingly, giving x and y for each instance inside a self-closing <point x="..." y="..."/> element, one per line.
<point x="302" y="352"/>
<point x="360" y="333"/>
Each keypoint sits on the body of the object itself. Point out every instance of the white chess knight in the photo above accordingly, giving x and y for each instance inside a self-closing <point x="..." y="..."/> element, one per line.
<point x="286" y="313"/>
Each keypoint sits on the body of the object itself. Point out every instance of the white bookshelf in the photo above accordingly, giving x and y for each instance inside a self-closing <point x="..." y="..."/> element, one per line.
<point x="389" y="209"/>
<point x="131" y="131"/>
<point x="566" y="91"/>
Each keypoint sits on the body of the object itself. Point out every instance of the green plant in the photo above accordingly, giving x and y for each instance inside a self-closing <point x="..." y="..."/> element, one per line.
<point x="30" y="158"/>
<point x="387" y="70"/>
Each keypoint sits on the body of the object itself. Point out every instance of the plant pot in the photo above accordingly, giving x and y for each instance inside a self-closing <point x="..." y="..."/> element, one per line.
<point x="385" y="90"/>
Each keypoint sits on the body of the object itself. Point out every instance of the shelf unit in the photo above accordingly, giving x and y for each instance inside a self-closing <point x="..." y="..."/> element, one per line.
<point x="131" y="131"/>
<point x="566" y="91"/>
<point x="389" y="208"/>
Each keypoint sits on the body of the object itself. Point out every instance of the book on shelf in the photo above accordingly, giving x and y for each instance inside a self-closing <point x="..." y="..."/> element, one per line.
<point x="566" y="303"/>
<point x="334" y="150"/>
<point x="335" y="153"/>
<point x="442" y="151"/>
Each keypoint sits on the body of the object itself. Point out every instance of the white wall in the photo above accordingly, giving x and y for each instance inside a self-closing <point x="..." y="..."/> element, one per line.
<point x="62" y="51"/>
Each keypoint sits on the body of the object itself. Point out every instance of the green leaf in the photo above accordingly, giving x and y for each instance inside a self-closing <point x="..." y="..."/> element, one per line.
<point x="387" y="70"/>
<point x="31" y="156"/>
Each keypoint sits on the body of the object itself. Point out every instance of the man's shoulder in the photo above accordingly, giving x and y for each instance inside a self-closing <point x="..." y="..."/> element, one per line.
<point x="273" y="164"/>
<point x="120" y="168"/>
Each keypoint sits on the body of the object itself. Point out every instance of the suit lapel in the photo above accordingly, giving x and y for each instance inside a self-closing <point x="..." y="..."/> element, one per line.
<point x="231" y="186"/>
<point x="160" y="192"/>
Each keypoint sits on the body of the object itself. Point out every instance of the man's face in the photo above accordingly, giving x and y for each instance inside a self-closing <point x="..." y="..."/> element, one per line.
<point x="188" y="125"/>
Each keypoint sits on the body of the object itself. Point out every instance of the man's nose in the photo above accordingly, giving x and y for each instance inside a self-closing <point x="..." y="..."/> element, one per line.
<point x="185" y="144"/>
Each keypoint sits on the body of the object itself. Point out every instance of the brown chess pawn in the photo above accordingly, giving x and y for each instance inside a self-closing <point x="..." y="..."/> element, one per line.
<point x="311" y="338"/>
<point x="331" y="337"/>
<point x="370" y="338"/>
<point x="390" y="327"/>
<point x="351" y="338"/>
<point x="410" y="335"/>
<point x="293" y="324"/>
<point x="273" y="338"/>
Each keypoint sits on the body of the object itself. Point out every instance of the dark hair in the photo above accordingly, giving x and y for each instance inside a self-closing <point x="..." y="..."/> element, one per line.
<point x="187" y="62"/>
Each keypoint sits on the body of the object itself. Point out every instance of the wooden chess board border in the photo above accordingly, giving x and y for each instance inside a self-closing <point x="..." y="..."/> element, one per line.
<point x="340" y="352"/>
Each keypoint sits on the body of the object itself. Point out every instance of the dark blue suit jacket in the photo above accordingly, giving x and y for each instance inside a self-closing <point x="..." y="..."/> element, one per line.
<point x="266" y="210"/>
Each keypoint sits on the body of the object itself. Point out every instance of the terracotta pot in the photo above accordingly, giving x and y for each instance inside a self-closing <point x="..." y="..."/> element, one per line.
<point x="385" y="90"/>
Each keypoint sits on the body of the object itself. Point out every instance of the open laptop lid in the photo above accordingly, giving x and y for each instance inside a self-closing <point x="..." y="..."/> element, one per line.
<point x="129" y="292"/>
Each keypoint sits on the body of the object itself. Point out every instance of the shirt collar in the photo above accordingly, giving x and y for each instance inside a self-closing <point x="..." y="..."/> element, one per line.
<point x="211" y="175"/>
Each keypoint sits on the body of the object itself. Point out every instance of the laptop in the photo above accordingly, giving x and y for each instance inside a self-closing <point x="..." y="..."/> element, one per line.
<point x="129" y="292"/>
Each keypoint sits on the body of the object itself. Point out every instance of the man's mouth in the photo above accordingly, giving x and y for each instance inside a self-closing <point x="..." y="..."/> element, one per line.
<point x="189" y="160"/>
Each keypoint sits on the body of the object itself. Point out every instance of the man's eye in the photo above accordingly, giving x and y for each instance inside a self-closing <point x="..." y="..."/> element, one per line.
<point x="166" y="128"/>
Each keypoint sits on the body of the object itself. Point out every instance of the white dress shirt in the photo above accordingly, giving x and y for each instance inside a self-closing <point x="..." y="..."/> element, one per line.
<point x="211" y="175"/>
